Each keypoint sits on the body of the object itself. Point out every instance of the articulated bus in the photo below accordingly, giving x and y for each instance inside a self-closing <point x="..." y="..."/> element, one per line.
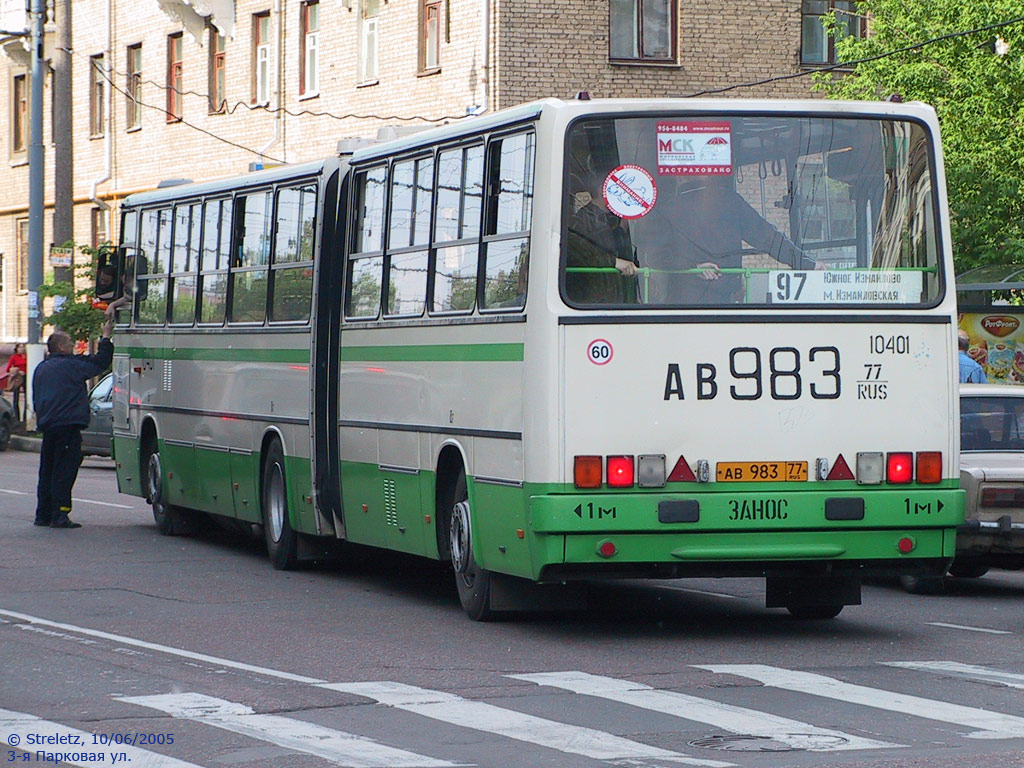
<point x="563" y="342"/>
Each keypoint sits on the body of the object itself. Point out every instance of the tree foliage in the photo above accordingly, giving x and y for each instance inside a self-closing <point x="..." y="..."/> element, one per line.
<point x="75" y="314"/>
<point x="976" y="84"/>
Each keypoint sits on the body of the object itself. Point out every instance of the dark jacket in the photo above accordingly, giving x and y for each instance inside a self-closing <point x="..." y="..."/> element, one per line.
<point x="58" y="387"/>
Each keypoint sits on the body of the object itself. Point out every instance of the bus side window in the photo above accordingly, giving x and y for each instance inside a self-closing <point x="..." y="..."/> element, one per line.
<point x="412" y="183"/>
<point x="366" y="259"/>
<point x="250" y="267"/>
<point x="460" y="179"/>
<point x="292" y="270"/>
<point x="510" y="210"/>
<point x="152" y="267"/>
<point x="213" y="261"/>
<point x="129" y="246"/>
<point x="183" y="264"/>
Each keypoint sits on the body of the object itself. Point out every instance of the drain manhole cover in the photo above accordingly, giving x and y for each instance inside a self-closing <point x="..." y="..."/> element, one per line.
<point x="780" y="742"/>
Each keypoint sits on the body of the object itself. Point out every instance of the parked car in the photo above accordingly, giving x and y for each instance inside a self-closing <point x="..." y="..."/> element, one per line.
<point x="98" y="436"/>
<point x="992" y="474"/>
<point x="6" y="422"/>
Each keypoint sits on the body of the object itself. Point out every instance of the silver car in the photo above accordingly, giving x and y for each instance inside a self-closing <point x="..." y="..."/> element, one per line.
<point x="992" y="474"/>
<point x="97" y="437"/>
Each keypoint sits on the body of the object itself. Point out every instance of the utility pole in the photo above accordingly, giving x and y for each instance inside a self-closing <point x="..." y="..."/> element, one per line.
<point x="36" y="179"/>
<point x="63" y="211"/>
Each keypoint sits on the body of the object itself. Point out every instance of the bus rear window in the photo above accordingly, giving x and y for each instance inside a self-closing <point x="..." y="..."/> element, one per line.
<point x="685" y="211"/>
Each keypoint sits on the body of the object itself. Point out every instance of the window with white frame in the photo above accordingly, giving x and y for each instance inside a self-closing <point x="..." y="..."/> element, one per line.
<point x="643" y="30"/>
<point x="430" y="35"/>
<point x="97" y="95"/>
<point x="309" y="63"/>
<point x="368" y="39"/>
<point x="261" y="58"/>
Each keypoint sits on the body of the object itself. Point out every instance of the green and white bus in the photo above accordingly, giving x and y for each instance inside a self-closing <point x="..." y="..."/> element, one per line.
<point x="566" y="341"/>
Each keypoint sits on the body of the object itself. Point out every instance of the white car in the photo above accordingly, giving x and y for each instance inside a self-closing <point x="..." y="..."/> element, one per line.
<point x="992" y="474"/>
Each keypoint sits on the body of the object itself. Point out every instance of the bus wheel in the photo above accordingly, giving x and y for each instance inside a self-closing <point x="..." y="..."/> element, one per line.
<point x="968" y="569"/>
<point x="814" y="612"/>
<point x="921" y="585"/>
<point x="170" y="520"/>
<point x="276" y="528"/>
<point x="472" y="581"/>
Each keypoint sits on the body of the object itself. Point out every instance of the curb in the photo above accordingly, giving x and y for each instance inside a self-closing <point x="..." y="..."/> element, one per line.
<point x="22" y="443"/>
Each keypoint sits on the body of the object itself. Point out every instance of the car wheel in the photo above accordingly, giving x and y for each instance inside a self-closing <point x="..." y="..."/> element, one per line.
<point x="967" y="569"/>
<point x="5" y="432"/>
<point x="922" y="585"/>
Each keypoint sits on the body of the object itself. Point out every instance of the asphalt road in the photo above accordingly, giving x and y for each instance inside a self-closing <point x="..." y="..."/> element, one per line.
<point x="196" y="652"/>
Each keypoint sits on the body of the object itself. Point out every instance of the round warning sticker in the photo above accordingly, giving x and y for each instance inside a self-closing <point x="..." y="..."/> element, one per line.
<point x="629" y="192"/>
<point x="600" y="352"/>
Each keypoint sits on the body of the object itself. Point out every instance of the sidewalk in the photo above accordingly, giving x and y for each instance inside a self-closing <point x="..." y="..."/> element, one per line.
<point x="25" y="443"/>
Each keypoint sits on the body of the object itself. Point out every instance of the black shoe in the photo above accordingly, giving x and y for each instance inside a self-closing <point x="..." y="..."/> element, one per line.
<point x="44" y="523"/>
<point x="66" y="524"/>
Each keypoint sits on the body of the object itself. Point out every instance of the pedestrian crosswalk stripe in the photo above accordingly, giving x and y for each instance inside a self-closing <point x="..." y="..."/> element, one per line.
<point x="794" y="733"/>
<point x="969" y="671"/>
<point x="337" y="746"/>
<point x="990" y="725"/>
<point x="481" y="716"/>
<point x="15" y="726"/>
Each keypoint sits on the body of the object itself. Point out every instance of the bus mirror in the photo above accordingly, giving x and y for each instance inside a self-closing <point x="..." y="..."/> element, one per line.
<point x="109" y="272"/>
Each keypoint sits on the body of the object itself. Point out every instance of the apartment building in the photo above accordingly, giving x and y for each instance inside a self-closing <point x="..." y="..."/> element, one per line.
<point x="201" y="89"/>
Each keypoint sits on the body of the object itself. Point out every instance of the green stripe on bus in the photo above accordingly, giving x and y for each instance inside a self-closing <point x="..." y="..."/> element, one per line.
<point x="435" y="353"/>
<point x="221" y="355"/>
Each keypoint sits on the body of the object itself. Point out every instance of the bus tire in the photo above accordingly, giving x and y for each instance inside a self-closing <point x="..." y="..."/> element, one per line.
<point x="277" y="530"/>
<point x="472" y="581"/>
<point x="814" y="612"/>
<point x="170" y="520"/>
<point x="921" y="585"/>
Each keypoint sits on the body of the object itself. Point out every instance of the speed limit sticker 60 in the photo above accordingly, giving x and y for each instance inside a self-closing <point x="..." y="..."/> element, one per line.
<point x="599" y="352"/>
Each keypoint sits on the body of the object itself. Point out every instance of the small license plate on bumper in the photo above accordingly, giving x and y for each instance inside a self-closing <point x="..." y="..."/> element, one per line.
<point x="761" y="472"/>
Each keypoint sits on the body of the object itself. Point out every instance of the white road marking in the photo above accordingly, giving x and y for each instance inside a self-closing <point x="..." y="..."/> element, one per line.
<point x="969" y="671"/>
<point x="15" y="493"/>
<point x="337" y="746"/>
<point x="991" y="725"/>
<point x="161" y="648"/>
<point x="969" y="629"/>
<point x="700" y="592"/>
<point x="795" y="733"/>
<point x="480" y="716"/>
<point x="20" y="725"/>
<point x="101" y="503"/>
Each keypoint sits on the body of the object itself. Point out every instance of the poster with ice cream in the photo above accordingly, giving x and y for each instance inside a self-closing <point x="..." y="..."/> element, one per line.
<point x="997" y="344"/>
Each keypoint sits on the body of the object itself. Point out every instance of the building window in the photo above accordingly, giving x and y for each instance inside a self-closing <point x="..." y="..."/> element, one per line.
<point x="175" y="88"/>
<point x="309" y="63"/>
<point x="261" y="58"/>
<point x="19" y="114"/>
<point x="368" y="59"/>
<point x="98" y="229"/>
<point x="218" y="88"/>
<point x="430" y="35"/>
<point x="133" y="87"/>
<point x="643" y="30"/>
<point x="817" y="46"/>
<point x="21" y="255"/>
<point x="97" y="95"/>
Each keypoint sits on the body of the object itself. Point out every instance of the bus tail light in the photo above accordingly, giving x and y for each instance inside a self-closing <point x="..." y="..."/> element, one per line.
<point x="1002" y="497"/>
<point x="620" y="471"/>
<point x="870" y="468"/>
<point x="906" y="545"/>
<point x="929" y="467"/>
<point x="899" y="467"/>
<point x="586" y="471"/>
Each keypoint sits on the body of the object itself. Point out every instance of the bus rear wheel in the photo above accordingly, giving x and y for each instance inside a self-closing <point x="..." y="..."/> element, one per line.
<point x="472" y="581"/>
<point x="968" y="569"/>
<point x="814" y="612"/>
<point x="170" y="520"/>
<point x="277" y="530"/>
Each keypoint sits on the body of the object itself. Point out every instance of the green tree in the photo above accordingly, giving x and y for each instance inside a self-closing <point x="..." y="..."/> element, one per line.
<point x="74" y="313"/>
<point x="976" y="84"/>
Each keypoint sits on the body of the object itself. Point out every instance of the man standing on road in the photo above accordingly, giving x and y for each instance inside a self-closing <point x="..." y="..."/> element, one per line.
<point x="970" y="371"/>
<point x="62" y="410"/>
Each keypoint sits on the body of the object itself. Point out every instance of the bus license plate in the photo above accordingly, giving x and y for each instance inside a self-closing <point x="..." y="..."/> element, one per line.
<point x="761" y="472"/>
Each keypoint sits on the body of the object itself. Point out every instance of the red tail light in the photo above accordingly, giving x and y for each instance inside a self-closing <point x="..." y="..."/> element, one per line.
<point x="929" y="467"/>
<point x="620" y="471"/>
<point x="899" y="467"/>
<point x="587" y="471"/>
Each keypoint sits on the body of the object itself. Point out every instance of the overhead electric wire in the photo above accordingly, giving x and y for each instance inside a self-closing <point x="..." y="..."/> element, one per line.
<point x="854" y="62"/>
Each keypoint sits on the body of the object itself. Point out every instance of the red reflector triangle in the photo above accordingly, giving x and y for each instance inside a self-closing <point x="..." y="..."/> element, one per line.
<point x="681" y="473"/>
<point x="840" y="470"/>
